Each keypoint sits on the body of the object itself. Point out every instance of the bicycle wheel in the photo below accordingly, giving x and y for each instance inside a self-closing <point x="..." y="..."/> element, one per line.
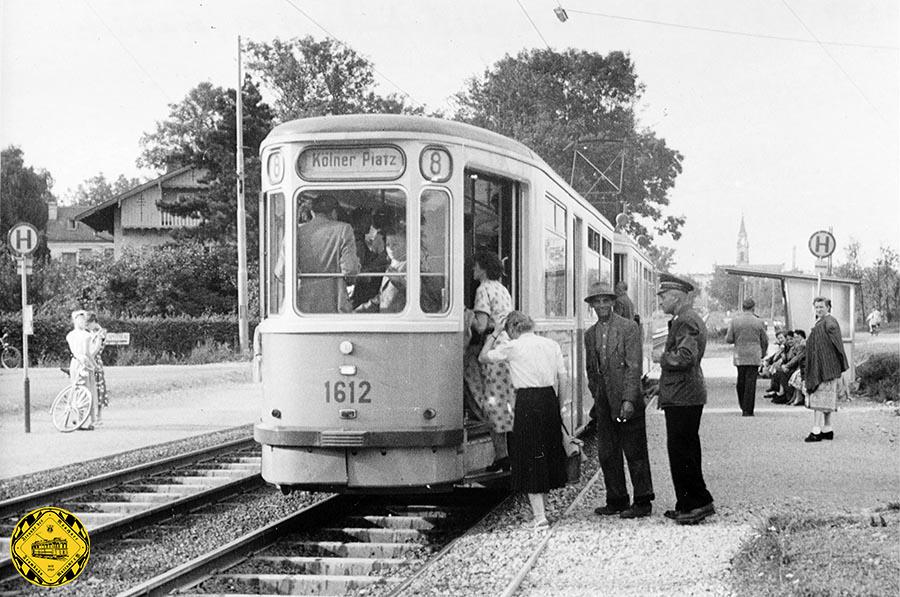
<point x="71" y="408"/>
<point x="11" y="357"/>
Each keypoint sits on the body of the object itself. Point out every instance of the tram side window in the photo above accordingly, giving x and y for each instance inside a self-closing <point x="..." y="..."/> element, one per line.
<point x="606" y="258"/>
<point x="554" y="259"/>
<point x="435" y="251"/>
<point x="351" y="251"/>
<point x="276" y="253"/>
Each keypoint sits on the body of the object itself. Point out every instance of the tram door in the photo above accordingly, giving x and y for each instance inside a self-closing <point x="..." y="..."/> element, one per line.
<point x="491" y="223"/>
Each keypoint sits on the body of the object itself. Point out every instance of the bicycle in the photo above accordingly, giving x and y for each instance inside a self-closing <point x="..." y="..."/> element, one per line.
<point x="10" y="357"/>
<point x="72" y="406"/>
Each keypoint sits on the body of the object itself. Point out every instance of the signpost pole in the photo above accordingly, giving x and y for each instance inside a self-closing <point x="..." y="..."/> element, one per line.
<point x="26" y="384"/>
<point x="243" y="324"/>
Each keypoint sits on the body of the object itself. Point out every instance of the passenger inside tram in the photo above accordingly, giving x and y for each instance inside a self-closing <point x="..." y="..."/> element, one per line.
<point x="368" y="228"/>
<point x="391" y="297"/>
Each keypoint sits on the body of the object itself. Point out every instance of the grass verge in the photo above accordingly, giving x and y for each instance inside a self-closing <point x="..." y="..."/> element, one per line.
<point x="822" y="556"/>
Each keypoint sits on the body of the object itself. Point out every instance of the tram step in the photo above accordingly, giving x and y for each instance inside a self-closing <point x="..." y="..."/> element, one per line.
<point x="340" y="549"/>
<point x="316" y="565"/>
<point x="381" y="535"/>
<point x="291" y="584"/>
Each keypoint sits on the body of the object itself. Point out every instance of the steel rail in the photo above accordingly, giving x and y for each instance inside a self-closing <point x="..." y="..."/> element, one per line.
<point x="234" y="552"/>
<point x="18" y="505"/>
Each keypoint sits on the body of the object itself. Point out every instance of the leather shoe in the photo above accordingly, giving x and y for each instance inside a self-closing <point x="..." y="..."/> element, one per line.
<point x="637" y="511"/>
<point x="608" y="510"/>
<point x="746" y="414"/>
<point x="696" y="515"/>
<point x="673" y="514"/>
<point x="815" y="437"/>
<point x="827" y="435"/>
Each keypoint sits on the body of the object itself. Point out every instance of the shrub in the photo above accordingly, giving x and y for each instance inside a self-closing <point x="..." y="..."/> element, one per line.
<point x="879" y="376"/>
<point x="153" y="340"/>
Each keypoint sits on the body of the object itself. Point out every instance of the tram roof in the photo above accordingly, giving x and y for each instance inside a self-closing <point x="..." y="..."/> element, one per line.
<point x="419" y="125"/>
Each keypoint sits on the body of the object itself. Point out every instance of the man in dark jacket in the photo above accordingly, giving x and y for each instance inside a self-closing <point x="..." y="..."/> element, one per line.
<point x="748" y="334"/>
<point x="682" y="394"/>
<point x="623" y="305"/>
<point x="613" y="363"/>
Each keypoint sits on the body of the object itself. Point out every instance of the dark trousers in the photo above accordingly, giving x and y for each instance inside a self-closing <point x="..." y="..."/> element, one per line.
<point x="683" y="443"/>
<point x="629" y="438"/>
<point x="746" y="387"/>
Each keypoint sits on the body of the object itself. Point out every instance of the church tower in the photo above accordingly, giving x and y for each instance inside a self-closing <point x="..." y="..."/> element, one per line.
<point x="743" y="245"/>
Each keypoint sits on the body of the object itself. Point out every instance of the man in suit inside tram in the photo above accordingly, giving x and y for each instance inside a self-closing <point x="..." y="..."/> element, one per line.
<point x="613" y="362"/>
<point x="325" y="246"/>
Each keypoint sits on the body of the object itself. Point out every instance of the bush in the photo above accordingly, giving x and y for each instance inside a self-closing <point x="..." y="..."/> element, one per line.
<point x="153" y="340"/>
<point x="879" y="376"/>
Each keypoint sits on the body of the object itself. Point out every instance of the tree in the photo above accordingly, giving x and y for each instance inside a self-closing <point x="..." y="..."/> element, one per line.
<point x="725" y="289"/>
<point x="96" y="189"/>
<point x="881" y="283"/>
<point x="201" y="132"/>
<point x="852" y="268"/>
<point x="548" y="100"/>
<point x="663" y="258"/>
<point x="25" y="192"/>
<point x="315" y="78"/>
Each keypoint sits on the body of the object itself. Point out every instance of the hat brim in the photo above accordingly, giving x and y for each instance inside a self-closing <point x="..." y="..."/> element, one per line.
<point x="611" y="295"/>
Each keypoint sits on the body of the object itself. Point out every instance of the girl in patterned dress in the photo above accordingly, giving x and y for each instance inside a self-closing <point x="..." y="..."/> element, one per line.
<point x="98" y="336"/>
<point x="492" y="305"/>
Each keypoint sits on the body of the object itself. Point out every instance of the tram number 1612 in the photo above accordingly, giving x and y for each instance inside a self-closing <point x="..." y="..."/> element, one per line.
<point x="346" y="391"/>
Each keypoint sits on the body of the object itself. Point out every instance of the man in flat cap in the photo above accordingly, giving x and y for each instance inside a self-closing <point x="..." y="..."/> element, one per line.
<point x="325" y="246"/>
<point x="613" y="363"/>
<point x="682" y="394"/>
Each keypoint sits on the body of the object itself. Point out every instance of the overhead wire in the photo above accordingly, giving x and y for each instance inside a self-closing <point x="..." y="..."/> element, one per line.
<point x="127" y="51"/>
<point x="731" y="31"/>
<point x="836" y="63"/>
<point x="530" y="20"/>
<point x="338" y="40"/>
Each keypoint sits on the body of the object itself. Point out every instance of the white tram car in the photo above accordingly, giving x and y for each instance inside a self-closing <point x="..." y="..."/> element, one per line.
<point x="357" y="398"/>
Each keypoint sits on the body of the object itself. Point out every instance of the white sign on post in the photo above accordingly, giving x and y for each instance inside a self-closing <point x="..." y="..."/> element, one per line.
<point x="23" y="238"/>
<point x="822" y="244"/>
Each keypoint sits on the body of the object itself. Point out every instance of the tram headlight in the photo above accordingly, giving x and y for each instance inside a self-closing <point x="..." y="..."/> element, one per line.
<point x="346" y="347"/>
<point x="429" y="413"/>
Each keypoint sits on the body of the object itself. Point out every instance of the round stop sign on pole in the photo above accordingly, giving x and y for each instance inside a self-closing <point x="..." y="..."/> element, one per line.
<point x="822" y="244"/>
<point x="23" y="238"/>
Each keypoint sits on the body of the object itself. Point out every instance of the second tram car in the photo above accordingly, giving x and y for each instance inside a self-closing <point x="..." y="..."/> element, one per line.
<point x="362" y="359"/>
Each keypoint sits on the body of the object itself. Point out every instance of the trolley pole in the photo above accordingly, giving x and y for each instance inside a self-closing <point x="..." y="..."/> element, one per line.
<point x="243" y="326"/>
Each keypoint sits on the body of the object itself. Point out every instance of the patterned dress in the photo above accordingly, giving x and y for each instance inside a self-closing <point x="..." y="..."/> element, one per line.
<point x="499" y="401"/>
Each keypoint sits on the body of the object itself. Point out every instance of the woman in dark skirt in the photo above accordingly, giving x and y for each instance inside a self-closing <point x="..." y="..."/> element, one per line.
<point x="538" y="373"/>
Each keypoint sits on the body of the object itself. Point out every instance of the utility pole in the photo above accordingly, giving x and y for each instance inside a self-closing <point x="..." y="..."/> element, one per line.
<point x="243" y="326"/>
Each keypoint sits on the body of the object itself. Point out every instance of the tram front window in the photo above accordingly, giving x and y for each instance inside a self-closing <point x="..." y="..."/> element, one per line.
<point x="351" y="251"/>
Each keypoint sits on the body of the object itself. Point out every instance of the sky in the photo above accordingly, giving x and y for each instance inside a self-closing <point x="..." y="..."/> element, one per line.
<point x="786" y="111"/>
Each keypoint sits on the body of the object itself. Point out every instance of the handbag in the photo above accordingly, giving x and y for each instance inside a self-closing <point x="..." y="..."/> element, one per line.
<point x="573" y="449"/>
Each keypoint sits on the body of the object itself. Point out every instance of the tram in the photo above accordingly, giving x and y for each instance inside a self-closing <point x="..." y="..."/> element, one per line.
<point x="360" y="397"/>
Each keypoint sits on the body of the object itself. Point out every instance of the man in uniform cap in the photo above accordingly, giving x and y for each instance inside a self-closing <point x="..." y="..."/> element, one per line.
<point x="613" y="363"/>
<point x="682" y="394"/>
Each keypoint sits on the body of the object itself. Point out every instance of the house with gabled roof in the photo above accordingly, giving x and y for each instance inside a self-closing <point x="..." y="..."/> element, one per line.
<point x="71" y="241"/>
<point x="133" y="217"/>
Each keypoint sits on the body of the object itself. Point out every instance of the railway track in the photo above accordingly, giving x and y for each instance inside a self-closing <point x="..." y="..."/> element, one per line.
<point x="364" y="545"/>
<point x="116" y="503"/>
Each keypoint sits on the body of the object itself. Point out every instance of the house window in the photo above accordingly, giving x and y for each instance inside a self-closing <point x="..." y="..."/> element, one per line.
<point x="85" y="254"/>
<point x="69" y="257"/>
<point x="71" y="224"/>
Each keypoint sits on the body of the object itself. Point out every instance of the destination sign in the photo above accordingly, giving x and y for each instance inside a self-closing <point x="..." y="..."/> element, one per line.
<point x="383" y="162"/>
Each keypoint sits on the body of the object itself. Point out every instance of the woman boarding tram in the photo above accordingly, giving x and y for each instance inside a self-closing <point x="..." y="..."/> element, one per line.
<point x="362" y="398"/>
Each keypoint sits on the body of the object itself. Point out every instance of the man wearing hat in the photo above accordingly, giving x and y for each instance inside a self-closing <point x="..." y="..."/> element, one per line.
<point x="682" y="394"/>
<point x="613" y="363"/>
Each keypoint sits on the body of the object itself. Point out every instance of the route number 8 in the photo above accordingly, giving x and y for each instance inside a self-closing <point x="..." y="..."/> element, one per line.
<point x="436" y="164"/>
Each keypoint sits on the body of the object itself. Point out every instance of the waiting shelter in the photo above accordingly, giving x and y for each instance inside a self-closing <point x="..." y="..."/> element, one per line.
<point x="798" y="291"/>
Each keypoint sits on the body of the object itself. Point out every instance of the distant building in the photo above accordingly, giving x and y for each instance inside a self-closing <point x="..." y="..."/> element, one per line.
<point x="133" y="218"/>
<point x="743" y="245"/>
<point x="69" y="240"/>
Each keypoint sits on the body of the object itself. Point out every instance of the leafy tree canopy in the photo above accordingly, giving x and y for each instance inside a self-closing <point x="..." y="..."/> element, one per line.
<point x="201" y="132"/>
<point x="96" y="189"/>
<point x="316" y="78"/>
<point x="25" y="192"/>
<point x="549" y="100"/>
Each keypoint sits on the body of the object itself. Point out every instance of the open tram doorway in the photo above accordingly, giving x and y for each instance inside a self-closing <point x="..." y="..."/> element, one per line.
<point x="491" y="222"/>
